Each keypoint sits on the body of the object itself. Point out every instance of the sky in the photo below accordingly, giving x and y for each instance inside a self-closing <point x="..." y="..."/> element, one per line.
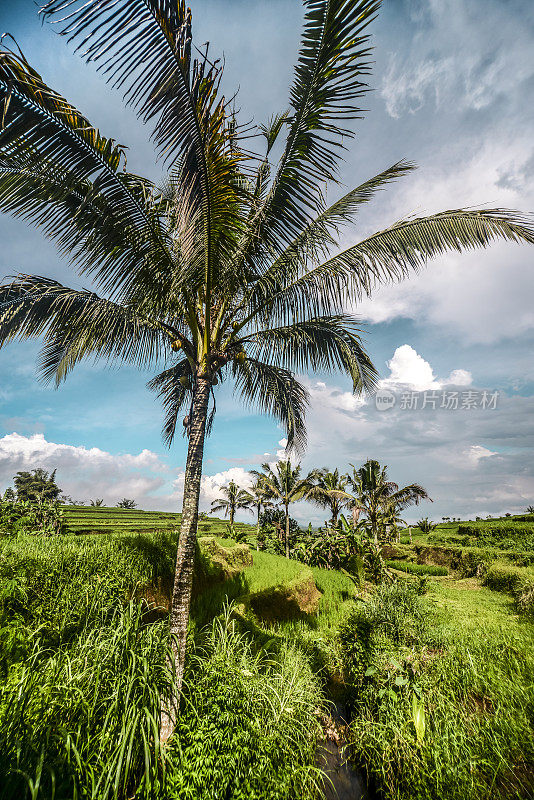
<point x="452" y="90"/>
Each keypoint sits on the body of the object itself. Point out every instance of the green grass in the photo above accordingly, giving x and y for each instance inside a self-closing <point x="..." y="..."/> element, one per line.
<point x="468" y="660"/>
<point x="271" y="570"/>
<point x="417" y="569"/>
<point x="82" y="675"/>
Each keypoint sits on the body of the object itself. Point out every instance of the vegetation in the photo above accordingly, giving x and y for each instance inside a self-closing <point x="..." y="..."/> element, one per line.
<point x="329" y="491"/>
<point x="376" y="496"/>
<point x="233" y="498"/>
<point x="125" y="503"/>
<point x="424" y="699"/>
<point x="441" y="695"/>
<point x="284" y="485"/>
<point x="229" y="265"/>
<point x="41" y="516"/>
<point x="426" y="526"/>
<point x="36" y="485"/>
<point x="417" y="569"/>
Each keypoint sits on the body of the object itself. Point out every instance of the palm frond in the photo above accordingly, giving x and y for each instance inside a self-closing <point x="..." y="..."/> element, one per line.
<point x="144" y="48"/>
<point x="71" y="176"/>
<point x="408" y="245"/>
<point x="320" y="236"/>
<point x="273" y="390"/>
<point x="323" y="344"/>
<point x="333" y="61"/>
<point x="174" y="394"/>
<point x="75" y="324"/>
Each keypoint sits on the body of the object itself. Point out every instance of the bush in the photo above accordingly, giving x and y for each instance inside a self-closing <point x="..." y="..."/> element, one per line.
<point x="396" y="612"/>
<point x="514" y="580"/>
<point x="504" y="578"/>
<point x="417" y="569"/>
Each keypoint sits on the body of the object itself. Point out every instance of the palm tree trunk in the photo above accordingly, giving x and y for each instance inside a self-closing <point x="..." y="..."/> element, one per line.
<point x="185" y="560"/>
<point x="258" y="529"/>
<point x="287" y="530"/>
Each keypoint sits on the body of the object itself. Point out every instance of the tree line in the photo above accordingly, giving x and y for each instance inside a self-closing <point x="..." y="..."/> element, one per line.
<point x="374" y="504"/>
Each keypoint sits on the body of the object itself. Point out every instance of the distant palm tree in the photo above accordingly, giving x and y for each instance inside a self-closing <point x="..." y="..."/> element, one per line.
<point x="97" y="503"/>
<point x="374" y="494"/>
<point x="258" y="496"/>
<point x="426" y="526"/>
<point x="126" y="503"/>
<point x="231" y="268"/>
<point x="284" y="486"/>
<point x="232" y="500"/>
<point x="329" y="491"/>
<point x="530" y="510"/>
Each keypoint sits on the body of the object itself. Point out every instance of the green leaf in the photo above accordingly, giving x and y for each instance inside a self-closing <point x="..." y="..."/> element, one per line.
<point x="418" y="717"/>
<point x="370" y="671"/>
<point x="400" y="681"/>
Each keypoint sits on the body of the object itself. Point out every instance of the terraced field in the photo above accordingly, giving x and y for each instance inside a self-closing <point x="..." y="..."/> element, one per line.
<point x="89" y="519"/>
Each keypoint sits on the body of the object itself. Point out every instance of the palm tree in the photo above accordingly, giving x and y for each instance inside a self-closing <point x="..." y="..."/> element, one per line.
<point x="231" y="268"/>
<point x="425" y="525"/>
<point x="376" y="496"/>
<point x="233" y="499"/>
<point x="36" y="485"/>
<point x="258" y="497"/>
<point x="393" y="521"/>
<point x="329" y="491"/>
<point x="284" y="486"/>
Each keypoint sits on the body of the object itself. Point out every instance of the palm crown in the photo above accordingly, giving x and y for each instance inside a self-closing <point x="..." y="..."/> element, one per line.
<point x="330" y="491"/>
<point x="378" y="497"/>
<point x="284" y="484"/>
<point x="232" y="267"/>
<point x="233" y="498"/>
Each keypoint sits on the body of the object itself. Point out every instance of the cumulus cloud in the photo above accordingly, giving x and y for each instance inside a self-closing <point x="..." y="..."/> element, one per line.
<point x="408" y="368"/>
<point x="84" y="473"/>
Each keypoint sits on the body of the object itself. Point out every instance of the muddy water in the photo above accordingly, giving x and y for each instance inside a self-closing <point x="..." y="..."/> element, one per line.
<point x="342" y="780"/>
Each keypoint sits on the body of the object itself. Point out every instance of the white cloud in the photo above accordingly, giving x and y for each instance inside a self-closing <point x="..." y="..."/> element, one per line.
<point x="408" y="368"/>
<point x="477" y="452"/>
<point x="459" y="377"/>
<point x="84" y="473"/>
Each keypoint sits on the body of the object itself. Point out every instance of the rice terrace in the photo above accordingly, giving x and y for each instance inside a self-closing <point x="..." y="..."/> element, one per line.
<point x="266" y="400"/>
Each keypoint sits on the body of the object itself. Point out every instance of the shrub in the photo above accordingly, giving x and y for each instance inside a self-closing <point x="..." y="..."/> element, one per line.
<point x="396" y="612"/>
<point x="504" y="578"/>
<point x="514" y="580"/>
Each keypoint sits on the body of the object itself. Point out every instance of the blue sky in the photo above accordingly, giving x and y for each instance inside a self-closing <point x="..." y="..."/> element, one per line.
<point x="452" y="90"/>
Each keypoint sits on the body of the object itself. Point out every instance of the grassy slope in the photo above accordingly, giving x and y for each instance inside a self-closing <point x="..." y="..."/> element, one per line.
<point x="81" y="673"/>
<point x="473" y="666"/>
